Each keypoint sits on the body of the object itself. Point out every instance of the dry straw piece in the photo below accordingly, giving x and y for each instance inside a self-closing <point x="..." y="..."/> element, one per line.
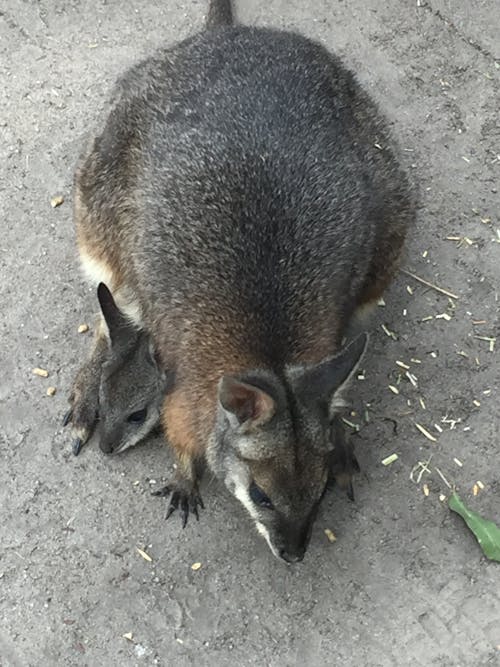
<point x="144" y="555"/>
<point x="428" y="284"/>
<point x="425" y="432"/>
<point x="330" y="535"/>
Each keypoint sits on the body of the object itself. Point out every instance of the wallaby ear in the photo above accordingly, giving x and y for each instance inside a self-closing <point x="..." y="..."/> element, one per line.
<point x="245" y="403"/>
<point x="325" y="381"/>
<point x="115" y="319"/>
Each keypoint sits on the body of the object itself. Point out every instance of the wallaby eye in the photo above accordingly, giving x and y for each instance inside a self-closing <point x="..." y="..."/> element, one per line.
<point x="259" y="497"/>
<point x="138" y="417"/>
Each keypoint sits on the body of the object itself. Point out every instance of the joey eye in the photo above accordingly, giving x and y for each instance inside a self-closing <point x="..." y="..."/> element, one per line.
<point x="259" y="497"/>
<point x="138" y="417"/>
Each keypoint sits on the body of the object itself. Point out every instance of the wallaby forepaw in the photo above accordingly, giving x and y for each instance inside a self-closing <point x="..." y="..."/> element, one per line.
<point x="184" y="497"/>
<point x="82" y="417"/>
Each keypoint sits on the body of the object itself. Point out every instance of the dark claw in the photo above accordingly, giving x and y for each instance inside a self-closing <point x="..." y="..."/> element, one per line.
<point x="164" y="491"/>
<point x="199" y="501"/>
<point x="77" y="446"/>
<point x="355" y="464"/>
<point x="184" y="511"/>
<point x="67" y="417"/>
<point x="174" y="504"/>
<point x="350" y="492"/>
<point x="194" y="510"/>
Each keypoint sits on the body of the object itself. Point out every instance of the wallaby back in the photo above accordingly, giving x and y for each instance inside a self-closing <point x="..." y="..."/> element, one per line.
<point x="246" y="193"/>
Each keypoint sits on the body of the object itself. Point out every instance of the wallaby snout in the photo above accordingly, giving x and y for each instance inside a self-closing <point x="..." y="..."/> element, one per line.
<point x="295" y="542"/>
<point x="106" y="446"/>
<point x="292" y="558"/>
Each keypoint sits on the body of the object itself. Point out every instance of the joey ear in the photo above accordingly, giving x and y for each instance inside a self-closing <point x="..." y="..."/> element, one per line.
<point x="245" y="403"/>
<point x="115" y="319"/>
<point x="326" y="380"/>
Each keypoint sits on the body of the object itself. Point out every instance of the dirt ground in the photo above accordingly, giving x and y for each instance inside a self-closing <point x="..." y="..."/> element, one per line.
<point x="405" y="582"/>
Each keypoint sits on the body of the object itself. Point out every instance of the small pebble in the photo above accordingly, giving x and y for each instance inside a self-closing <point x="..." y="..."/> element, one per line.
<point x="83" y="328"/>
<point x="330" y="535"/>
<point x="196" y="566"/>
<point x="41" y="372"/>
<point x="51" y="391"/>
<point x="56" y="201"/>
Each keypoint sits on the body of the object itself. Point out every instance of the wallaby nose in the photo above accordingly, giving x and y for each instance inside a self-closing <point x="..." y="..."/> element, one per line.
<point x="292" y="557"/>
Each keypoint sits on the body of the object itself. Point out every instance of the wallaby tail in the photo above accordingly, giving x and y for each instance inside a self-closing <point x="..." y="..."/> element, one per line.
<point x="219" y="13"/>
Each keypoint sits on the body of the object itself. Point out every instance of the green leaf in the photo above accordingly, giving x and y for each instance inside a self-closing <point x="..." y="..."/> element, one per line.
<point x="486" y="532"/>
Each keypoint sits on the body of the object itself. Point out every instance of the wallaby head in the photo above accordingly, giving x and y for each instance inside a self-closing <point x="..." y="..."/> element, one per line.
<point x="273" y="443"/>
<point x="132" y="384"/>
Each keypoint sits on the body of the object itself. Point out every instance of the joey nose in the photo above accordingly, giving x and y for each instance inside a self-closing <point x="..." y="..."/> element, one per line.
<point x="292" y="556"/>
<point x="106" y="447"/>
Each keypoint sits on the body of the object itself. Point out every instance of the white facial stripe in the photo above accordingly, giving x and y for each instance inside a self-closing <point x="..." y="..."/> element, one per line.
<point x="241" y="492"/>
<point x="265" y="533"/>
<point x="240" y="481"/>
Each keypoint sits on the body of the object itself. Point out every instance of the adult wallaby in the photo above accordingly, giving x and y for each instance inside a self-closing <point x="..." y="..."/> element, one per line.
<point x="243" y="200"/>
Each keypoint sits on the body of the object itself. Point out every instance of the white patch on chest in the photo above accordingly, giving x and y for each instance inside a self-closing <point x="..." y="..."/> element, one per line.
<point x="96" y="271"/>
<point x="99" y="272"/>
